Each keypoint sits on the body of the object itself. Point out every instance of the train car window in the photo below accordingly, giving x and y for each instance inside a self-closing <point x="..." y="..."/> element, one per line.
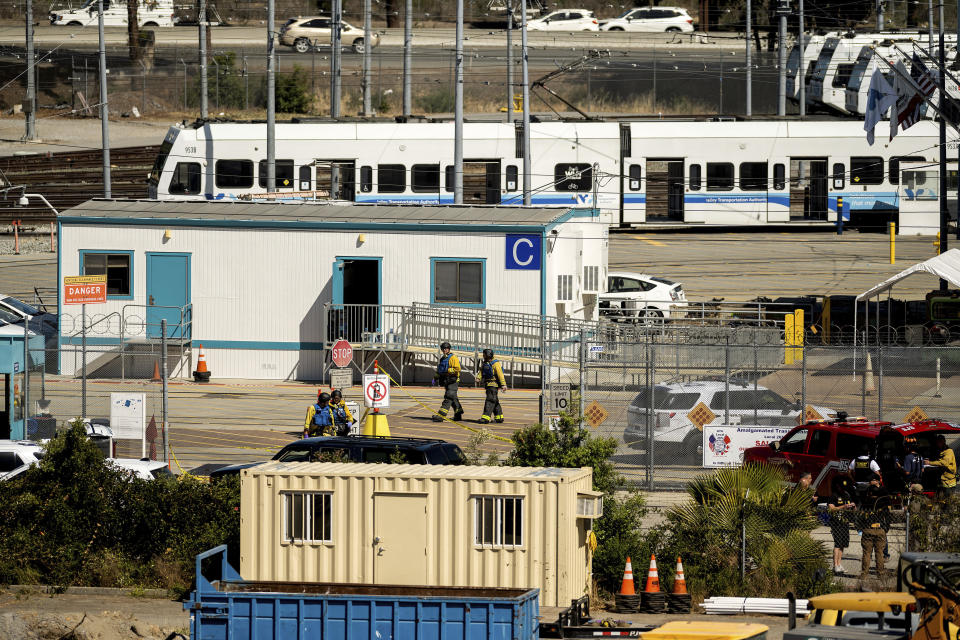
<point x="694" y="177"/>
<point x="838" y="175"/>
<point x="866" y="170"/>
<point x="573" y="177"/>
<point x="391" y="178"/>
<point x="366" y="179"/>
<point x="234" y="174"/>
<point x="779" y="176"/>
<point x="636" y="172"/>
<point x="753" y="176"/>
<point x="895" y="166"/>
<point x="425" y="178"/>
<point x="719" y="176"/>
<point x="186" y="178"/>
<point x="450" y="179"/>
<point x="512" y="175"/>
<point x="282" y="174"/>
<point x="306" y="177"/>
<point x="842" y="76"/>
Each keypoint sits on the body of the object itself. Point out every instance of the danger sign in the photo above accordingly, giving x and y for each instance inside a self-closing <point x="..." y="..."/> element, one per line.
<point x="376" y="391"/>
<point x="84" y="289"/>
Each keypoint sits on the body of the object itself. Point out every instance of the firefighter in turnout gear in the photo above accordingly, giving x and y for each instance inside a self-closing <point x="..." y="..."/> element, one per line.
<point x="495" y="384"/>
<point x="448" y="375"/>
<point x="319" y="420"/>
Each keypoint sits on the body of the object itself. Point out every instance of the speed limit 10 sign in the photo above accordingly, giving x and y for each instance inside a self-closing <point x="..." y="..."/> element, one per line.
<point x="559" y="397"/>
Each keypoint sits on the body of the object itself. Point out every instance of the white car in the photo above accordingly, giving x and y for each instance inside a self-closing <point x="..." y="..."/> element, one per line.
<point x="565" y="20"/>
<point x="144" y="468"/>
<point x="651" y="19"/>
<point x="674" y="431"/>
<point x="312" y="32"/>
<point x="638" y="296"/>
<point x="16" y="456"/>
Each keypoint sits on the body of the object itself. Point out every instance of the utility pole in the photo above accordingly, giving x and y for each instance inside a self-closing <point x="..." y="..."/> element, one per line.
<point x="782" y="10"/>
<point x="941" y="86"/>
<point x="30" y="112"/>
<point x="201" y="28"/>
<point x="510" y="60"/>
<point x="366" y="58"/>
<point x="335" y="37"/>
<point x="525" y="54"/>
<point x="930" y="26"/>
<point x="802" y="69"/>
<point x="458" y="111"/>
<point x="407" y="55"/>
<point x="749" y="60"/>
<point x="271" y="102"/>
<point x="879" y="15"/>
<point x="104" y="112"/>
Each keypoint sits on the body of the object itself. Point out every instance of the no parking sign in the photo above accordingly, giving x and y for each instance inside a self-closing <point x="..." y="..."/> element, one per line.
<point x="376" y="391"/>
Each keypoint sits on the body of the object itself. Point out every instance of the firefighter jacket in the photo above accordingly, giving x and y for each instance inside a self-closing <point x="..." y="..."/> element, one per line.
<point x="448" y="369"/>
<point x="492" y="374"/>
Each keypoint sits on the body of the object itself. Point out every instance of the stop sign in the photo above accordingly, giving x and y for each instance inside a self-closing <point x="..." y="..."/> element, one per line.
<point x="342" y="353"/>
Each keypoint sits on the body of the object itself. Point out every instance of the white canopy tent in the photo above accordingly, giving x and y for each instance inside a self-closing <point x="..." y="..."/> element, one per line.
<point x="945" y="266"/>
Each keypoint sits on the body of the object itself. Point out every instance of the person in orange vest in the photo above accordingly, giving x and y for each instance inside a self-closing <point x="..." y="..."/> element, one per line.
<point x="319" y="420"/>
<point x="495" y="384"/>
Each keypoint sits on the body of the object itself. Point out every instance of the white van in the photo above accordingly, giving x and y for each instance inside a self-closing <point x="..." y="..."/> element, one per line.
<point x="150" y="13"/>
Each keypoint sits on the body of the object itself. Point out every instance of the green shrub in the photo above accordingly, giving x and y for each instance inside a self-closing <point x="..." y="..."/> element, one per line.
<point x="935" y="524"/>
<point x="439" y="100"/>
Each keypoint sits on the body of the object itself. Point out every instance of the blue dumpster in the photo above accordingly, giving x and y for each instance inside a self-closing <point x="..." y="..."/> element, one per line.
<point x="230" y="608"/>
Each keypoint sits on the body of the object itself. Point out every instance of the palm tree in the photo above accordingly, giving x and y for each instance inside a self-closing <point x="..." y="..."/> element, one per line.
<point x="754" y="503"/>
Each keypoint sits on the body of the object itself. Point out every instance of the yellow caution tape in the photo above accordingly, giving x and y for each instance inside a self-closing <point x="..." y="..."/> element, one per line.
<point x="445" y="418"/>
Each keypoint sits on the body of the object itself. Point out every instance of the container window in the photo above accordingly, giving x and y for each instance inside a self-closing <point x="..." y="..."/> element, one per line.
<point x="234" y="174"/>
<point x="573" y="177"/>
<point x="425" y="178"/>
<point x="694" y="177"/>
<point x="866" y="170"/>
<point x="895" y="166"/>
<point x="366" y="179"/>
<point x="307" y="516"/>
<point x="719" y="176"/>
<point x="456" y="282"/>
<point x="564" y="288"/>
<point x="779" y="176"/>
<point x="636" y="172"/>
<point x="186" y="178"/>
<point x="589" y="506"/>
<point x="391" y="178"/>
<point x="498" y="522"/>
<point x="116" y="266"/>
<point x="753" y="176"/>
<point x="282" y="174"/>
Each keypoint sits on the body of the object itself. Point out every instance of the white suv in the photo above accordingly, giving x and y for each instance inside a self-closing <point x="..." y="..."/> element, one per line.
<point x="651" y="19"/>
<point x="565" y="20"/>
<point x="637" y="296"/>
<point x="16" y="456"/>
<point x="674" y="429"/>
<point x="304" y="34"/>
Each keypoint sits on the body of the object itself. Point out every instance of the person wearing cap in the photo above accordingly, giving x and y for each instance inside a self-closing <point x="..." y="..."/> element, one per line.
<point x="342" y="418"/>
<point x="946" y="460"/>
<point x="495" y="384"/>
<point x="875" y="521"/>
<point x="319" y="417"/>
<point x="448" y="375"/>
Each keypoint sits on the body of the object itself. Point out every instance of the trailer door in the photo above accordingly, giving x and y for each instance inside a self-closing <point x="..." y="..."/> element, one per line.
<point x="400" y="538"/>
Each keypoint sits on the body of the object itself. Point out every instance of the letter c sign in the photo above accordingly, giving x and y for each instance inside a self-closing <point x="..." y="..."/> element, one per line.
<point x="523" y="252"/>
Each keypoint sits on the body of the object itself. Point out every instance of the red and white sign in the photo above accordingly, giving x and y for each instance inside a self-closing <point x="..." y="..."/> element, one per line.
<point x="342" y="353"/>
<point x="376" y="391"/>
<point x="84" y="289"/>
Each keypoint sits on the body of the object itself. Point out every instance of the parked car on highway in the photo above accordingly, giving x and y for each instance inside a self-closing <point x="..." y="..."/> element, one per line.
<point x="676" y="434"/>
<point x="637" y="296"/>
<point x="360" y="449"/>
<point x="651" y="19"/>
<point x="303" y="34"/>
<point x="565" y="20"/>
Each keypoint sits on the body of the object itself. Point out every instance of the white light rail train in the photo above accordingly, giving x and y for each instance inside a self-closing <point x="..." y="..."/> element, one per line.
<point x="692" y="173"/>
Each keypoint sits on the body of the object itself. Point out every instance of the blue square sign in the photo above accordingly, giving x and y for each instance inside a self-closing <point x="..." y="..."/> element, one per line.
<point x="523" y="252"/>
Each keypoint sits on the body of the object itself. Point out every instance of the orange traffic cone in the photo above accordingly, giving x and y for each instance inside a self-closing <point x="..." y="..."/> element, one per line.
<point x="679" y="582"/>
<point x="653" y="579"/>
<point x="156" y="372"/>
<point x="626" y="587"/>
<point x="201" y="374"/>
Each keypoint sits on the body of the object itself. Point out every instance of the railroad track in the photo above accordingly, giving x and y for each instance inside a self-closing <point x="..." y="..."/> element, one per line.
<point x="68" y="178"/>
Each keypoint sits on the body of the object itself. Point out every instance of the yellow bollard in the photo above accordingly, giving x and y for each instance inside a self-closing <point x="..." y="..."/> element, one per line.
<point x="798" y="338"/>
<point x="893" y="243"/>
<point x="936" y="243"/>
<point x="789" y="338"/>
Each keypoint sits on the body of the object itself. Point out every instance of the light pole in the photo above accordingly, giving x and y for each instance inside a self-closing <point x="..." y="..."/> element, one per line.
<point x="25" y="201"/>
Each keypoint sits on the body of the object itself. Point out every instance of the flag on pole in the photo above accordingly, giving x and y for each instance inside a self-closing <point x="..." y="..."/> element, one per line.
<point x="911" y="94"/>
<point x="880" y="97"/>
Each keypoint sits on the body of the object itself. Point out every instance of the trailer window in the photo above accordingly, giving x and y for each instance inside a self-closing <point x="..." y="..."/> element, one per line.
<point x="719" y="176"/>
<point x="866" y="170"/>
<point x="498" y="522"/>
<point x="895" y="166"/>
<point x="779" y="176"/>
<point x="753" y="176"/>
<point x="116" y="266"/>
<point x="307" y="516"/>
<point x="458" y="282"/>
<point x="694" y="177"/>
<point x="391" y="178"/>
<point x="234" y="174"/>
<point x="282" y="174"/>
<point x="636" y="172"/>
<point x="366" y="179"/>
<point x="573" y="177"/>
<point x="186" y="178"/>
<point x="425" y="178"/>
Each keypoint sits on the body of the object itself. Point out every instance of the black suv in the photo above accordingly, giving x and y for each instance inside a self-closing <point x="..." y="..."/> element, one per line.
<point x="360" y="449"/>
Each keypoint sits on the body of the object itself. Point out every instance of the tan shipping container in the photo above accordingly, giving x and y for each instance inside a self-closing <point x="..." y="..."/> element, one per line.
<point x="426" y="525"/>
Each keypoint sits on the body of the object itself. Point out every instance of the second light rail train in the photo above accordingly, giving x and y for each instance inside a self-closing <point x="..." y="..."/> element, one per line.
<point x="686" y="173"/>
